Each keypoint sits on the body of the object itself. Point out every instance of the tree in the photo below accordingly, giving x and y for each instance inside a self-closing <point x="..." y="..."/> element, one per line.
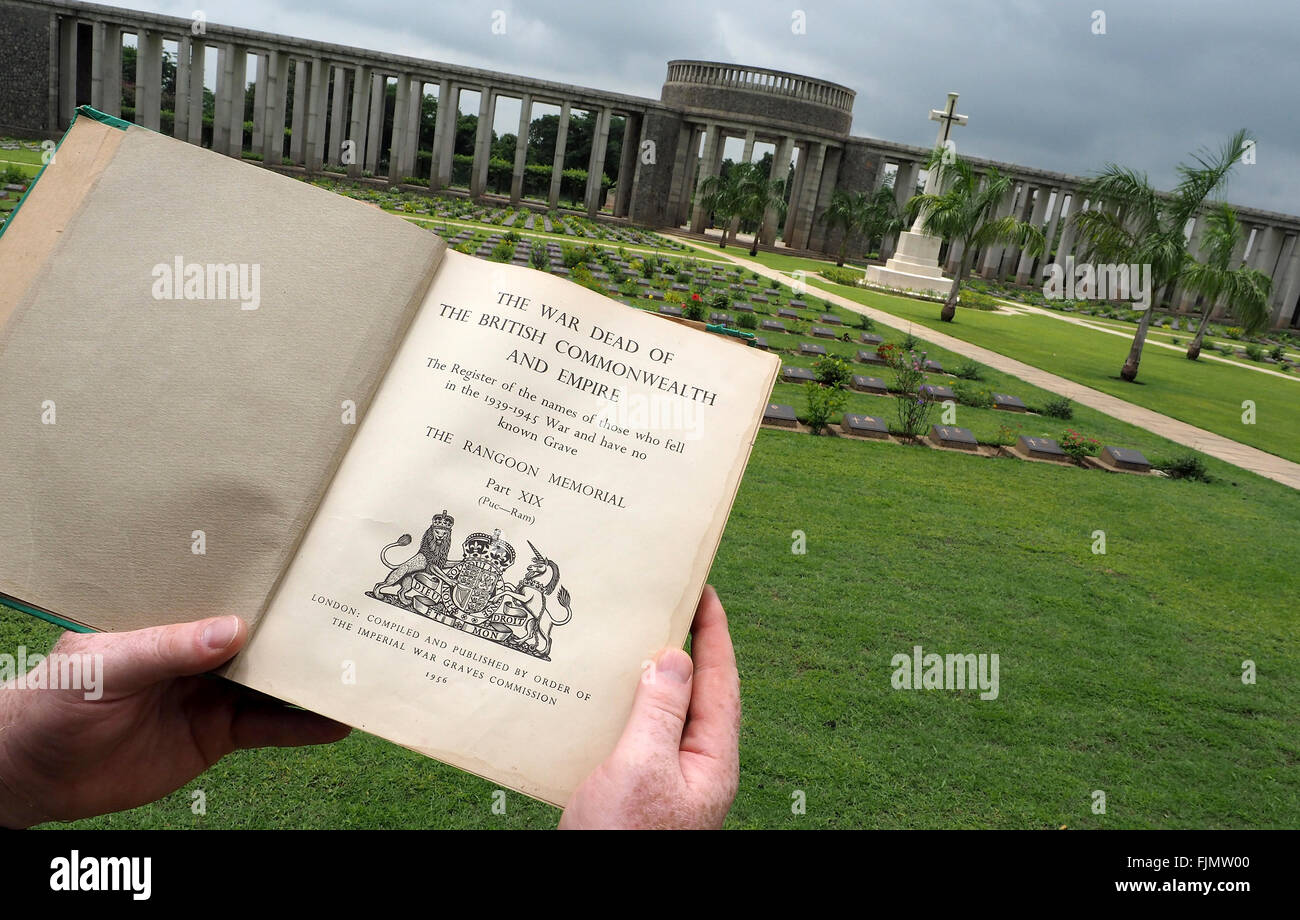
<point x="1243" y="290"/>
<point x="1137" y="225"/>
<point x="862" y="216"/>
<point x="965" y="212"/>
<point x="720" y="197"/>
<point x="755" y="194"/>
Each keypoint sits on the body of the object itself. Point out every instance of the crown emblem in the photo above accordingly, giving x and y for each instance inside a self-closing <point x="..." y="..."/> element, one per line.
<point x="443" y="520"/>
<point x="491" y="550"/>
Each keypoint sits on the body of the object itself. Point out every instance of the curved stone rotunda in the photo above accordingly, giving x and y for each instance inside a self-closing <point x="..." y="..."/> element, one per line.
<point x="60" y="54"/>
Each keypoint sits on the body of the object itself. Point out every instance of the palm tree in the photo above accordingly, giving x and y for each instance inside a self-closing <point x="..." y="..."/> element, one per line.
<point x="719" y="197"/>
<point x="965" y="212"/>
<point x="755" y="193"/>
<point x="1139" y="226"/>
<point x="1244" y="290"/>
<point x="859" y="215"/>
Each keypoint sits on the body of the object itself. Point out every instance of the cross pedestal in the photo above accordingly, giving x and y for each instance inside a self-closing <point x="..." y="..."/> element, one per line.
<point x="914" y="266"/>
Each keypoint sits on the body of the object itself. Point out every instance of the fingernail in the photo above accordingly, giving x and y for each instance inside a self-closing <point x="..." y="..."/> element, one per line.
<point x="675" y="665"/>
<point x="220" y="633"/>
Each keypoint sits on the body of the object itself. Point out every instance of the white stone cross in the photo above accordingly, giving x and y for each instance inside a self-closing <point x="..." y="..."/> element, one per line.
<point x="947" y="118"/>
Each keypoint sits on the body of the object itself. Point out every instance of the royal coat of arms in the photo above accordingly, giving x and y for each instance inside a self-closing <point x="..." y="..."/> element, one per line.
<point x="473" y="593"/>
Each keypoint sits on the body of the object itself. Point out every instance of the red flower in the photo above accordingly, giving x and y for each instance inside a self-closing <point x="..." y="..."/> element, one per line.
<point x="695" y="297"/>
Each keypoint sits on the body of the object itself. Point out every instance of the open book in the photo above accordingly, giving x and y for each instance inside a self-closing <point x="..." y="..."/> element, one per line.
<point x="460" y="503"/>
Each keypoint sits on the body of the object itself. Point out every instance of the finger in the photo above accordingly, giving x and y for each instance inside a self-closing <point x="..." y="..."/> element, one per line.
<point x="273" y="724"/>
<point x="654" y="728"/>
<point x="135" y="660"/>
<point x="714" y="725"/>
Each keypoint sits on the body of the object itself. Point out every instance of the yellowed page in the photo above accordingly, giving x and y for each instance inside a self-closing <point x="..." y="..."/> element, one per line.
<point x="482" y="425"/>
<point x="165" y="445"/>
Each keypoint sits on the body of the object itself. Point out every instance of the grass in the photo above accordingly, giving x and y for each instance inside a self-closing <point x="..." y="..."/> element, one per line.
<point x="1119" y="672"/>
<point x="1207" y="394"/>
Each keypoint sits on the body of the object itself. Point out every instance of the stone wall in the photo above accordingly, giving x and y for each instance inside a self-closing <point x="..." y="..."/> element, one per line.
<point x="25" y="69"/>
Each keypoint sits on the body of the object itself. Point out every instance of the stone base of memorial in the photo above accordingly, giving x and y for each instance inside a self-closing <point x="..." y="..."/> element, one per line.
<point x="865" y="426"/>
<point x="777" y="415"/>
<point x="914" y="266"/>
<point x="950" y="437"/>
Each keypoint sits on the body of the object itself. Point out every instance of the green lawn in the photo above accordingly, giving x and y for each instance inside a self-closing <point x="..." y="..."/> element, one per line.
<point x="1208" y="394"/>
<point x="1118" y="672"/>
<point x="27" y="162"/>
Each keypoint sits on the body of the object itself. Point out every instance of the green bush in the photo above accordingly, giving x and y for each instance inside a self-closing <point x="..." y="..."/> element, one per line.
<point x="969" y="370"/>
<point x="1058" y="407"/>
<point x="693" y="309"/>
<point x="539" y="256"/>
<point x="503" y="251"/>
<point x="1186" y="466"/>
<point x="974" y="300"/>
<point x="1078" y="446"/>
<point x="1254" y="352"/>
<point x="1277" y="353"/>
<point x="747" y="321"/>
<point x="823" y="403"/>
<point x="833" y="371"/>
<point x="839" y="275"/>
<point x="910" y="342"/>
<point x="866" y="323"/>
<point x="973" y="396"/>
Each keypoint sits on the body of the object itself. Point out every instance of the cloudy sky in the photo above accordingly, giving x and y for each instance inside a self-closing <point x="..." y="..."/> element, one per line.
<point x="1040" y="86"/>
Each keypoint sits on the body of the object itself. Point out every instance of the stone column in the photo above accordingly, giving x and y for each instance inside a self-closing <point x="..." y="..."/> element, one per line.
<point x="338" y="112"/>
<point x="411" y="144"/>
<point x="633" y="125"/>
<point x="1058" y="208"/>
<point x="401" y="130"/>
<point x="780" y="172"/>
<point x="1264" y="257"/>
<point x="1286" y="286"/>
<point x="148" y="79"/>
<point x="314" y="149"/>
<point x="808" y="195"/>
<point x="482" y="142"/>
<point x="375" y="133"/>
<point x="112" y="71"/>
<point x="361" y="81"/>
<point x="259" y="103"/>
<point x="992" y="255"/>
<point x="276" y="101"/>
<point x="817" y="229"/>
<point x="521" y="149"/>
<point x="181" y="107"/>
<point x="446" y="116"/>
<point x="596" y="165"/>
<point x="679" y="179"/>
<point x="1026" y="263"/>
<point x="97" y="66"/>
<point x="557" y="165"/>
<point x="298" y="129"/>
<point x="796" y="189"/>
<point x="708" y="169"/>
<point x="68" y="70"/>
<point x="682" y="216"/>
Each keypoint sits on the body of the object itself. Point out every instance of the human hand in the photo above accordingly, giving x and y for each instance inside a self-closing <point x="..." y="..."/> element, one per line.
<point x="677" y="763"/>
<point x="156" y="726"/>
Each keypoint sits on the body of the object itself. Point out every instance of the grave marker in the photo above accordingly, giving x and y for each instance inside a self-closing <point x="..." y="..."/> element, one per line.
<point x="865" y="426"/>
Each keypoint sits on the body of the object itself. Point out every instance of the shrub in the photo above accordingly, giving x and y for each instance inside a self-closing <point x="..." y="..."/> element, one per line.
<point x="1225" y="348"/>
<point x="572" y="256"/>
<point x="1233" y="332"/>
<point x="1254" y="352"/>
<point x="974" y="300"/>
<point x="694" y="308"/>
<point x="1184" y="466"/>
<point x="512" y="236"/>
<point x="539" y="256"/>
<point x="838" y="275"/>
<point x="976" y="397"/>
<point x="866" y="323"/>
<point x="1277" y="353"/>
<point x="1078" y="446"/>
<point x="913" y="408"/>
<point x="910" y="342"/>
<point x="747" y="321"/>
<point x="12" y="175"/>
<point x="823" y="403"/>
<point x="503" y="251"/>
<point x="1058" y="407"/>
<point x="649" y="267"/>
<point x="833" y="371"/>
<point x="969" y="370"/>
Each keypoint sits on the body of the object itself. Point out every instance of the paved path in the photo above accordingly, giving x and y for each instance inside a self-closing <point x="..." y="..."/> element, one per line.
<point x="1207" y="442"/>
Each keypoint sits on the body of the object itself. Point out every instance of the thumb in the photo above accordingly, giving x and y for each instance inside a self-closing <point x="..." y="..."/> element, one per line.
<point x="135" y="660"/>
<point x="659" y="710"/>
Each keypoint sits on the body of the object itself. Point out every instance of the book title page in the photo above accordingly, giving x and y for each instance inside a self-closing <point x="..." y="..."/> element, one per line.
<point x="526" y="516"/>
